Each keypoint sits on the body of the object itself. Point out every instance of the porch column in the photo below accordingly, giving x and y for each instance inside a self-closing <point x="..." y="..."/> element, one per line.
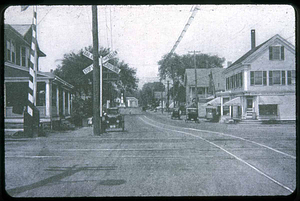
<point x="230" y="110"/>
<point x="64" y="101"/>
<point x="4" y="99"/>
<point x="48" y="98"/>
<point x="242" y="106"/>
<point x="69" y="106"/>
<point x="71" y="96"/>
<point x="205" y="92"/>
<point x="245" y="80"/>
<point x="221" y="106"/>
<point x="57" y="100"/>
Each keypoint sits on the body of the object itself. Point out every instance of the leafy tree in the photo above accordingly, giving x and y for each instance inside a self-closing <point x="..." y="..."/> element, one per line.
<point x="173" y="66"/>
<point x="71" y="71"/>
<point x="147" y="93"/>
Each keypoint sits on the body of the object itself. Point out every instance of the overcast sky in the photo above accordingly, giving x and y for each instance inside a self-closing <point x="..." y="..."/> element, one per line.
<point x="143" y="34"/>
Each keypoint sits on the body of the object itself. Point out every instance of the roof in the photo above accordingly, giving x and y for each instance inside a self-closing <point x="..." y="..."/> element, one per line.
<point x="252" y="51"/>
<point x="15" y="72"/>
<point x="131" y="98"/>
<point x="22" y="30"/>
<point x="203" y="77"/>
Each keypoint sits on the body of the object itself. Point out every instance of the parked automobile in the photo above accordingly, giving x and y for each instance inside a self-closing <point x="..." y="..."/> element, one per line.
<point x="113" y="119"/>
<point x="212" y="113"/>
<point x="176" y="113"/>
<point x="192" y="115"/>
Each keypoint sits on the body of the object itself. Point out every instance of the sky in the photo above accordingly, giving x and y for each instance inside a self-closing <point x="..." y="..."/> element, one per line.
<point x="143" y="34"/>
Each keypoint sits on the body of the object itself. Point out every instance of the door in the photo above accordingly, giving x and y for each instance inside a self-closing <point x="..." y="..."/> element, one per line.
<point x="249" y="103"/>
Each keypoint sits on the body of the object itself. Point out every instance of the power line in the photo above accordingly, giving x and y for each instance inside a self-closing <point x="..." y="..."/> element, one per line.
<point x="45" y="15"/>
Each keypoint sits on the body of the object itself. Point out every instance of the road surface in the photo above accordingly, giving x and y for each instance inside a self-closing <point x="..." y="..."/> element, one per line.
<point x="155" y="156"/>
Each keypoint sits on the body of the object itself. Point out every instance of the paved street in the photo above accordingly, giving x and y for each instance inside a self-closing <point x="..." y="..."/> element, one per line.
<point x="156" y="156"/>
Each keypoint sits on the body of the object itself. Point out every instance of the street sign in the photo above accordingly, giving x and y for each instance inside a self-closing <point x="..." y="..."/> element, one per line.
<point x="88" y="69"/>
<point x="104" y="60"/>
<point x="109" y="56"/>
<point x="88" y="54"/>
<point x="112" y="68"/>
<point x="106" y="65"/>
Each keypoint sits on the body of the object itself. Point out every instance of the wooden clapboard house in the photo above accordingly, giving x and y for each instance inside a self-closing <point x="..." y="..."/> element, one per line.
<point x="53" y="94"/>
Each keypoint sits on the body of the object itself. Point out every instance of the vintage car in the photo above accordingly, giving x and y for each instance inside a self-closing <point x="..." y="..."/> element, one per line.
<point x="113" y="119"/>
<point x="176" y="113"/>
<point x="192" y="115"/>
<point x="212" y="113"/>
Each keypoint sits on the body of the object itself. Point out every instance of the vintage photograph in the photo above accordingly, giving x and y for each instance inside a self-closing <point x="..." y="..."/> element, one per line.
<point x="149" y="100"/>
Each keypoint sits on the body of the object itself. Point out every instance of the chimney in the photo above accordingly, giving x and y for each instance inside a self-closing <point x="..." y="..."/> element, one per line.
<point x="252" y="38"/>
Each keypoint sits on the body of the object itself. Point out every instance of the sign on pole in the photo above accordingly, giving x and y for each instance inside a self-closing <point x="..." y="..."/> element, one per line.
<point x="104" y="62"/>
<point x="109" y="56"/>
<point x="112" y="67"/>
<point x="88" y="69"/>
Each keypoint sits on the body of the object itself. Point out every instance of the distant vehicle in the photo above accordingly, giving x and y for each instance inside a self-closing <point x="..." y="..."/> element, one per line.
<point x="192" y="115"/>
<point x="176" y="113"/>
<point x="212" y="113"/>
<point x="113" y="119"/>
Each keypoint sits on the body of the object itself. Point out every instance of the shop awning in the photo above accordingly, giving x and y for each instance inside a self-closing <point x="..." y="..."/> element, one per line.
<point x="235" y="101"/>
<point x="214" y="102"/>
<point x="269" y="100"/>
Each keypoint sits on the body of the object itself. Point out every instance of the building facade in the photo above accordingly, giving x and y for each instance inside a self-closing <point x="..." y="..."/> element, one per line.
<point x="204" y="86"/>
<point x="53" y="96"/>
<point x="261" y="84"/>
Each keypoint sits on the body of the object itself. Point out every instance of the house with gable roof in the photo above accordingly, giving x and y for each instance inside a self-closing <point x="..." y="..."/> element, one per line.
<point x="260" y="85"/>
<point x="53" y="99"/>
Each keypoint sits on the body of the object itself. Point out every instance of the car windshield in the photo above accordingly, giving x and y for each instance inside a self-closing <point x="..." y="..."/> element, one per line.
<point x="112" y="111"/>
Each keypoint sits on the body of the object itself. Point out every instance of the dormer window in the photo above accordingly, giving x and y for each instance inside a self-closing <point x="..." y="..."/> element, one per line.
<point x="276" y="52"/>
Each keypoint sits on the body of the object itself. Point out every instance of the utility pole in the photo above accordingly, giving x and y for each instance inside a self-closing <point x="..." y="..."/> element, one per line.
<point x="168" y="100"/>
<point x="96" y="74"/>
<point x="196" y="88"/>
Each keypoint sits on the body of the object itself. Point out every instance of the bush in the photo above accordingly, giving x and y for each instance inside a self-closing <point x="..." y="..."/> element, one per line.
<point x="81" y="109"/>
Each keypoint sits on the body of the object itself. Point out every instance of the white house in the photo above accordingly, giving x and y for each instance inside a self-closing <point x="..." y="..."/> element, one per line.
<point x="261" y="84"/>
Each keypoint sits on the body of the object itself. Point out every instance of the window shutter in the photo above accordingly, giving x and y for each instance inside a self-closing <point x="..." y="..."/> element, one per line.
<point x="251" y="78"/>
<point x="270" y="78"/>
<point x="270" y="53"/>
<point x="282" y="52"/>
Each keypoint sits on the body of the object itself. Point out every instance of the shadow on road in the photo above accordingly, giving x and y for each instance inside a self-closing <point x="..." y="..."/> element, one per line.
<point x="67" y="171"/>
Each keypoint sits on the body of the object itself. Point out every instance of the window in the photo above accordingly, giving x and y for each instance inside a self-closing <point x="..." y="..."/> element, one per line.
<point x="258" y="78"/>
<point x="227" y="83"/>
<point x="11" y="50"/>
<point x="283" y="77"/>
<point x="276" y="52"/>
<point x="291" y="77"/>
<point x="268" y="109"/>
<point x="24" y="56"/>
<point x="274" y="77"/>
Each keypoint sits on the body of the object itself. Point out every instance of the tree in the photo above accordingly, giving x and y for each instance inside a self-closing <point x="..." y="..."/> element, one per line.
<point x="71" y="71"/>
<point x="147" y="93"/>
<point x="173" y="66"/>
<point x="71" y="68"/>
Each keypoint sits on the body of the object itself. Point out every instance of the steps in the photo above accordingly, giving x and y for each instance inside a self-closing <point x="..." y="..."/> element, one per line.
<point x="13" y="125"/>
<point x="249" y="113"/>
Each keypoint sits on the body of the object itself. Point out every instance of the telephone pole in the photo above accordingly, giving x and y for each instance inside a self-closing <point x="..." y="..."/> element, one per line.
<point x="96" y="74"/>
<point x="195" y="66"/>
